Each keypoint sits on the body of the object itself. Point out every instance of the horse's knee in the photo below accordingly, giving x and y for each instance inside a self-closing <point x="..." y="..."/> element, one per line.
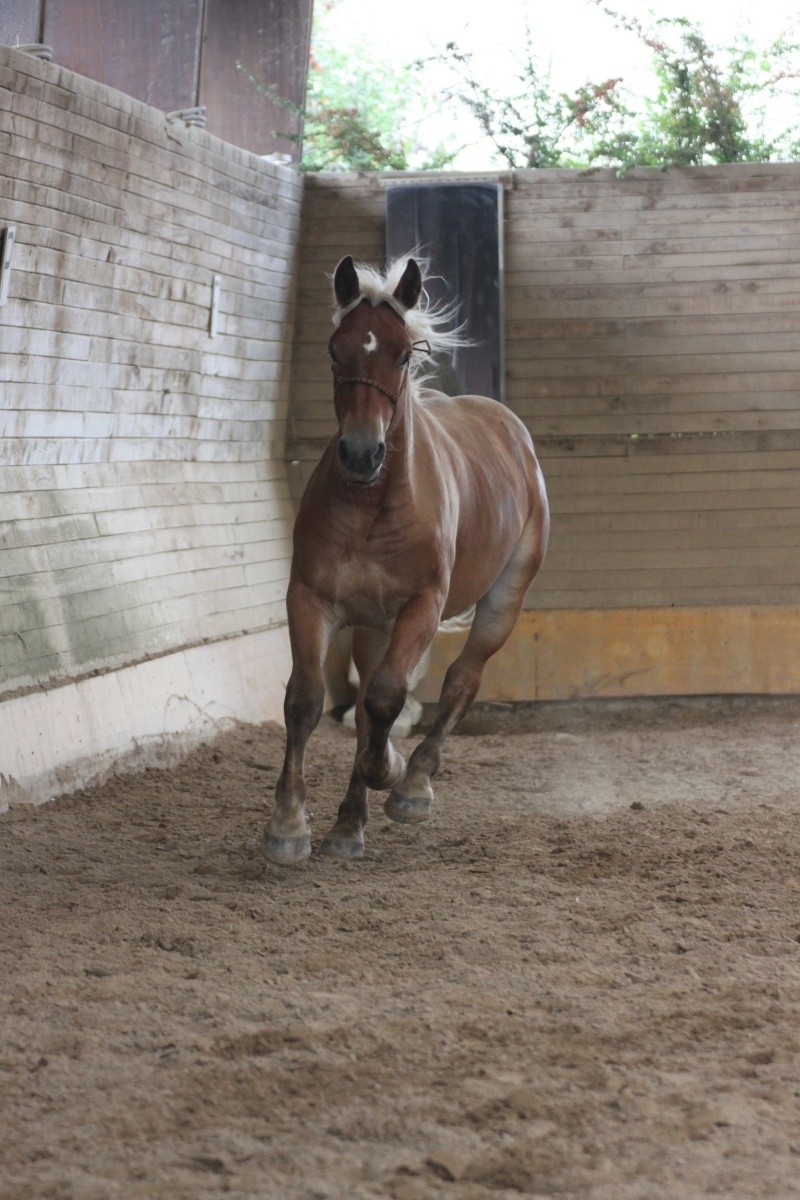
<point x="302" y="706"/>
<point x="384" y="699"/>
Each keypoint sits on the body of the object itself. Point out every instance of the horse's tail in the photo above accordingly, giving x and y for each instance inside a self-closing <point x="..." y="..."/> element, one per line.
<point x="458" y="624"/>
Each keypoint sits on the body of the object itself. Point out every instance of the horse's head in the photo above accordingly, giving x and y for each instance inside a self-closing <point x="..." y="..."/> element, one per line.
<point x="370" y="352"/>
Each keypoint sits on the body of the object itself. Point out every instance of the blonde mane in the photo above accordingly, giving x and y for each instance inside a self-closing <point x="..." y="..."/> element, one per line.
<point x="426" y="322"/>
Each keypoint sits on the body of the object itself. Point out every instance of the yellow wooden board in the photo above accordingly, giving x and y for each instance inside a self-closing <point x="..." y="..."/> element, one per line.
<point x="564" y="654"/>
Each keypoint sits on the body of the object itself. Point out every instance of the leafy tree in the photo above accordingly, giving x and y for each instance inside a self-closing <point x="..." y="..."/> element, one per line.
<point x="711" y="103"/>
<point x="359" y="115"/>
<point x="364" y="117"/>
<point x="534" y="125"/>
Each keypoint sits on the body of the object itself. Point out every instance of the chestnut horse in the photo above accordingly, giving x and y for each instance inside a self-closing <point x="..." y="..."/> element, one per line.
<point x="422" y="507"/>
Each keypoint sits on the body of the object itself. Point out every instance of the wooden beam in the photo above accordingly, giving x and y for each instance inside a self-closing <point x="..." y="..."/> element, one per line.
<point x="565" y="654"/>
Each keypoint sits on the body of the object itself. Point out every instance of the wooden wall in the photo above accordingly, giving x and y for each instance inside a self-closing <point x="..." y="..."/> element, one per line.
<point x="176" y="54"/>
<point x="143" y="490"/>
<point x="652" y="347"/>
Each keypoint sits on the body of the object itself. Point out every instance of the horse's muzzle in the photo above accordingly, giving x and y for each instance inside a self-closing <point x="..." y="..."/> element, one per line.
<point x="361" y="460"/>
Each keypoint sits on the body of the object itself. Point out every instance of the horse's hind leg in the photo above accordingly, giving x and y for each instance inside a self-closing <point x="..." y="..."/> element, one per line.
<point x="495" y="616"/>
<point x="379" y="764"/>
<point x="346" y="838"/>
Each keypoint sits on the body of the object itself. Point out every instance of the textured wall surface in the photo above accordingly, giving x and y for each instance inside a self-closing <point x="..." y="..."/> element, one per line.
<point x="143" y="493"/>
<point x="175" y="54"/>
<point x="652" y="346"/>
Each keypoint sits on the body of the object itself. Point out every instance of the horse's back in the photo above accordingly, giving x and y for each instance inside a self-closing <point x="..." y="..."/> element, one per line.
<point x="484" y="433"/>
<point x="487" y="455"/>
<point x="459" y="415"/>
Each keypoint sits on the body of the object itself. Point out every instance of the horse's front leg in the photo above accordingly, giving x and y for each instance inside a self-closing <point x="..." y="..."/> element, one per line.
<point x="288" y="837"/>
<point x="346" y="838"/>
<point x="379" y="764"/>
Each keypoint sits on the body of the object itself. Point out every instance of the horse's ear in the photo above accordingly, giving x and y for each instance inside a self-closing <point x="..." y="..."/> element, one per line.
<point x="410" y="285"/>
<point x="345" y="282"/>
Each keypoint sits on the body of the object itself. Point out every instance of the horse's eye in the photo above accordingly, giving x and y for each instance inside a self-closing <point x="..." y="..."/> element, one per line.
<point x="405" y="358"/>
<point x="332" y="353"/>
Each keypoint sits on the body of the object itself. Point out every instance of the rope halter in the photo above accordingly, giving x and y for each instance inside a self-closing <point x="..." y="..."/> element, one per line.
<point x="373" y="383"/>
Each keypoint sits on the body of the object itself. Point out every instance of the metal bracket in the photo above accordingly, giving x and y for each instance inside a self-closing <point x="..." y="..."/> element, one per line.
<point x="213" y="316"/>
<point x="7" y="237"/>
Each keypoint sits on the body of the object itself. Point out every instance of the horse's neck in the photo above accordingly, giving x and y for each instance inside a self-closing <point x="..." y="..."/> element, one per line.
<point x="401" y="437"/>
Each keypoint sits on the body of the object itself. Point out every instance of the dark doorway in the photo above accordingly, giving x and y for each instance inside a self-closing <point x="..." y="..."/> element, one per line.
<point x="459" y="227"/>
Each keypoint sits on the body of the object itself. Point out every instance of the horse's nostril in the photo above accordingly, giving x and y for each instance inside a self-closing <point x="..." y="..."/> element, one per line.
<point x="360" y="458"/>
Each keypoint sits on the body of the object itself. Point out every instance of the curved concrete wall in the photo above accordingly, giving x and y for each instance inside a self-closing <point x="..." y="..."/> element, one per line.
<point x="144" y="504"/>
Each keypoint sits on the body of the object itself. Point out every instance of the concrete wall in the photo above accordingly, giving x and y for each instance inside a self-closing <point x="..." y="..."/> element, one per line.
<point x="144" y="501"/>
<point x="652" y="348"/>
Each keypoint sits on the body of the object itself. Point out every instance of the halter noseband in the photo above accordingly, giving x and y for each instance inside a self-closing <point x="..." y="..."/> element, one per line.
<point x="422" y="346"/>
<point x="373" y="383"/>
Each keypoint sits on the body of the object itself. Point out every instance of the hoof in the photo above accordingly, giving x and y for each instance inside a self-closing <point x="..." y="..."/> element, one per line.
<point x="383" y="783"/>
<point x="408" y="810"/>
<point x="339" y="844"/>
<point x="285" y="851"/>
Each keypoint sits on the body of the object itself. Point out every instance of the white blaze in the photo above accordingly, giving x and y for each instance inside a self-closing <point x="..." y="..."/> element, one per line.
<point x="371" y="343"/>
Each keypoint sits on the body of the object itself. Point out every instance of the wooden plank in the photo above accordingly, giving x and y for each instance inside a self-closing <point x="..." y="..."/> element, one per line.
<point x="777" y="217"/>
<point x="628" y="295"/>
<point x="619" y="390"/>
<point x="708" y="364"/>
<point x="643" y="346"/>
<point x="591" y="273"/>
<point x="675" y="547"/>
<point x="563" y="655"/>
<point x="716" y="525"/>
<point x="671" y="582"/>
<point x="670" y="452"/>
<point x="731" y="494"/>
<point x="654" y="423"/>
<point x="649" y="555"/>
<point x="642" y="597"/>
<point x="639" y="330"/>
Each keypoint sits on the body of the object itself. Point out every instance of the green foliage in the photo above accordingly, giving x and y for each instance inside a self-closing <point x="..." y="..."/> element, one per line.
<point x="362" y="117"/>
<point x="359" y="115"/>
<point x="534" y="126"/>
<point x="711" y="102"/>
<point x="710" y="105"/>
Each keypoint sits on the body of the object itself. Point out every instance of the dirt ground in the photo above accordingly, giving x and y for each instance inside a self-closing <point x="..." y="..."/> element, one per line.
<point x="581" y="978"/>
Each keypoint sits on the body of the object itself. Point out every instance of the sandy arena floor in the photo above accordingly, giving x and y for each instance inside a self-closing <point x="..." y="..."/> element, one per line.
<point x="580" y="979"/>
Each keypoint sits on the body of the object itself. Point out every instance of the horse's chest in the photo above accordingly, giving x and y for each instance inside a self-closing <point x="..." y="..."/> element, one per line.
<point x="366" y="590"/>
